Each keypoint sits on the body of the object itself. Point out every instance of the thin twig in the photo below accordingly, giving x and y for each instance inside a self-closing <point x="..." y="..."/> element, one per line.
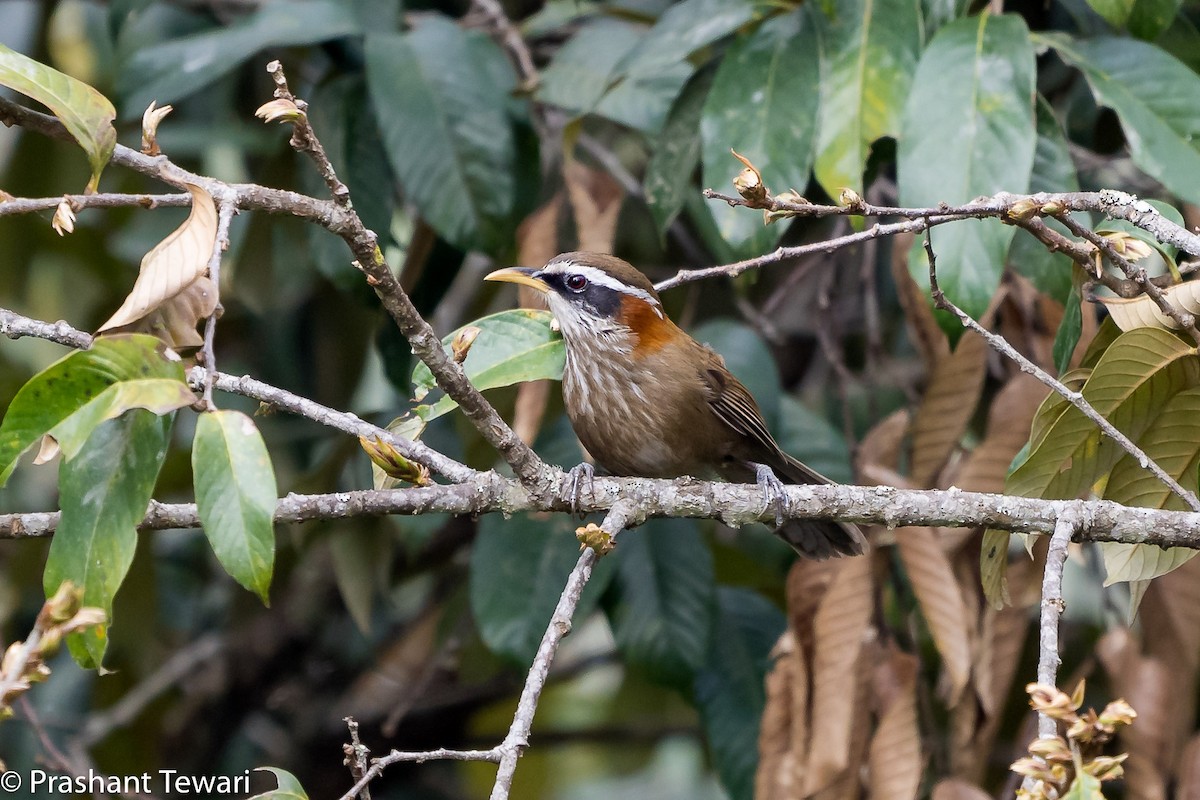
<point x="1076" y="399"/>
<point x="1067" y="526"/>
<point x="619" y="517"/>
<point x="27" y="205"/>
<point x="208" y="356"/>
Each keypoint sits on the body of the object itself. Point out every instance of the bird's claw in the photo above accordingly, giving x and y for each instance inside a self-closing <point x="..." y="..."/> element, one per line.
<point x="776" y="495"/>
<point x="576" y="476"/>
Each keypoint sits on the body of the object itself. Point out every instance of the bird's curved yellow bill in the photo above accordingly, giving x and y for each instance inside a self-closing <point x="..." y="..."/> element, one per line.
<point x="521" y="275"/>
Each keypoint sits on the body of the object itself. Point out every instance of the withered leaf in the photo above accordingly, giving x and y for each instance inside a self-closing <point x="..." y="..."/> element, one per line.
<point x="894" y="759"/>
<point x="172" y="267"/>
<point x="947" y="407"/>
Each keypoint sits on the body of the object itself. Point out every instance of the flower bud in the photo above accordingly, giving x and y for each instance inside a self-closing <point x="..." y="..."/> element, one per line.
<point x="150" y="119"/>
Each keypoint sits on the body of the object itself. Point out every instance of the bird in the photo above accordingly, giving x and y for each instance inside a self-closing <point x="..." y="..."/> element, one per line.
<point x="647" y="400"/>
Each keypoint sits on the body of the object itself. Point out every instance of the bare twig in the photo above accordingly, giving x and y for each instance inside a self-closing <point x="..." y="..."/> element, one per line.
<point x="1076" y="399"/>
<point x="225" y="212"/>
<point x="512" y="42"/>
<point x="1067" y="526"/>
<point x="16" y="326"/>
<point x="27" y="205"/>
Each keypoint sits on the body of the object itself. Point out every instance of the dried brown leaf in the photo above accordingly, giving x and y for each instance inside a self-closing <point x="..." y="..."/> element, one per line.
<point x="1171" y="620"/>
<point x="947" y="407"/>
<point x="1009" y="421"/>
<point x="928" y="337"/>
<point x="774" y="778"/>
<point x="941" y="601"/>
<point x="895" y="758"/>
<point x="848" y="784"/>
<point x="1188" y="786"/>
<point x="840" y="626"/>
<point x="596" y="201"/>
<point x="175" y="320"/>
<point x="1150" y="688"/>
<point x="881" y="446"/>
<point x="174" y="264"/>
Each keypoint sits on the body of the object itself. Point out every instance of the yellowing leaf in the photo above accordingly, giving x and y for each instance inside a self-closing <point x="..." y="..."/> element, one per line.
<point x="1173" y="441"/>
<point x="174" y="264"/>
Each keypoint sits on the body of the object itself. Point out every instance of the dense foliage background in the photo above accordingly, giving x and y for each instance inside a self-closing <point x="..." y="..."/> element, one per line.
<point x="462" y="158"/>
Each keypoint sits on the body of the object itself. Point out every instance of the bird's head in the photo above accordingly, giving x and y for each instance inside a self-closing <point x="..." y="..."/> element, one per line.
<point x="592" y="294"/>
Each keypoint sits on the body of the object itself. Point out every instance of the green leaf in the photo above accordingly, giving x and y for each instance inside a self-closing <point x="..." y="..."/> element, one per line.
<point x="512" y="347"/>
<point x="441" y="103"/>
<point x="1069" y="331"/>
<point x="157" y="395"/>
<point x="663" y="599"/>
<point x="968" y="130"/>
<point x="581" y="70"/>
<point x="1150" y="18"/>
<point x="763" y="104"/>
<point x="1053" y="171"/>
<point x="1131" y="382"/>
<point x="175" y="69"/>
<point x="1115" y="12"/>
<point x="71" y="383"/>
<point x="518" y="570"/>
<point x="1084" y="787"/>
<point x="1173" y="442"/>
<point x="729" y="688"/>
<point x="1157" y="99"/>
<point x="677" y="152"/>
<point x="993" y="567"/>
<point x="869" y="52"/>
<point x="87" y="114"/>
<point x="104" y="492"/>
<point x="288" y="787"/>
<point x="236" y="497"/>
<point x="649" y="75"/>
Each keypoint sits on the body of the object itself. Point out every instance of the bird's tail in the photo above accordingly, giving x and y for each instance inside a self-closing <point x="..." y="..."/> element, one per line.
<point x="817" y="538"/>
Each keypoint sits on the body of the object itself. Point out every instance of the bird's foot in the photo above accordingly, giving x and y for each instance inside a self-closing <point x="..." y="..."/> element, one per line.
<point x="772" y="488"/>
<point x="579" y="473"/>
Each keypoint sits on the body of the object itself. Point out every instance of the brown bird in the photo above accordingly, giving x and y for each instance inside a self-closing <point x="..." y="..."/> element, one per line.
<point x="648" y="400"/>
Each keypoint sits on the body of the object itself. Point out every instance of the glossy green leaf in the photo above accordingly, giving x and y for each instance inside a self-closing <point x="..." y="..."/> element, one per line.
<point x="512" y="347"/>
<point x="86" y="114"/>
<point x="518" y="570"/>
<point x="1157" y="99"/>
<point x="968" y="130"/>
<point x="869" y="52"/>
<point x="288" y="787"/>
<point x="104" y="492"/>
<point x="64" y="388"/>
<point x="1053" y="171"/>
<point x="175" y="69"/>
<point x="729" y="688"/>
<point x="663" y="599"/>
<point x="441" y="103"/>
<point x="763" y="104"/>
<point x="1173" y="442"/>
<point x="677" y="153"/>
<point x="1132" y="381"/>
<point x="236" y="497"/>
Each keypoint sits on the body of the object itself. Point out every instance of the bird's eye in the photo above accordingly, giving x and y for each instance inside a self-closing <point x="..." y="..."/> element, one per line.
<point x="576" y="283"/>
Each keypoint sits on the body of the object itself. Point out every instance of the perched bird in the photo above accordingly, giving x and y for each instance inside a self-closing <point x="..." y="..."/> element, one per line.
<point x="648" y="400"/>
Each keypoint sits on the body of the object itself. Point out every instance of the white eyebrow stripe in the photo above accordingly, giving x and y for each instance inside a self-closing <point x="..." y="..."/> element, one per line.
<point x="601" y="278"/>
